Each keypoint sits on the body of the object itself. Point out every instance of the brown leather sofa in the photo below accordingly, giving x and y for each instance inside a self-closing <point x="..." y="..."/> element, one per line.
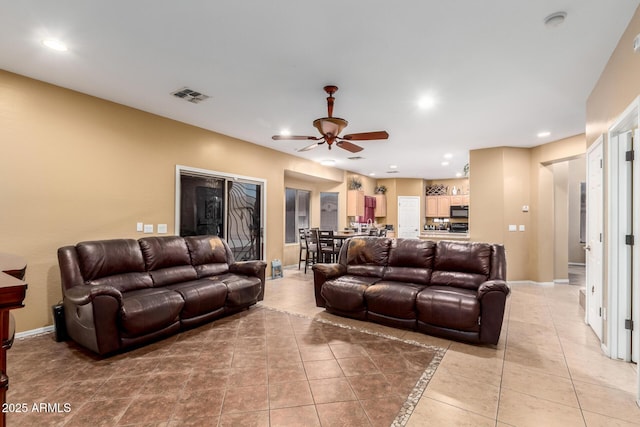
<point x="123" y="293"/>
<point x="450" y="289"/>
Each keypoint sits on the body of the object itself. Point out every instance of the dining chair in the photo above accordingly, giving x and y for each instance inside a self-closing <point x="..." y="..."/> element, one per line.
<point x="308" y="248"/>
<point x="327" y="250"/>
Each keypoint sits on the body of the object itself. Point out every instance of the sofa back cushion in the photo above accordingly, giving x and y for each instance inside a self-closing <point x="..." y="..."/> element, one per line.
<point x="167" y="260"/>
<point x="367" y="256"/>
<point x="210" y="255"/>
<point x="410" y="260"/>
<point x="461" y="264"/>
<point x="118" y="263"/>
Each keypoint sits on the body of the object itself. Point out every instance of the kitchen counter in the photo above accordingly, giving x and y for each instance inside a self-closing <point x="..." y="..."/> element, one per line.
<point x="443" y="235"/>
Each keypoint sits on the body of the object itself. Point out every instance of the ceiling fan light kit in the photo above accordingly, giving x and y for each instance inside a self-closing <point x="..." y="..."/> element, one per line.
<point x="330" y="128"/>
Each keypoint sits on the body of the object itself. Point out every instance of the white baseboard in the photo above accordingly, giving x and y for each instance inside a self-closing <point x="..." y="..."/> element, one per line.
<point x="530" y="282"/>
<point x="561" y="281"/>
<point x="579" y="264"/>
<point x="33" y="332"/>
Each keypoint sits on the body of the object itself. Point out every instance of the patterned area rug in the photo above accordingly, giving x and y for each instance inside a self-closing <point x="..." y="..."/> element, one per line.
<point x="261" y="367"/>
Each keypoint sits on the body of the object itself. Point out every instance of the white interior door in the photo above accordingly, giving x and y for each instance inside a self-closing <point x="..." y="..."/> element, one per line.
<point x="594" y="248"/>
<point x="408" y="217"/>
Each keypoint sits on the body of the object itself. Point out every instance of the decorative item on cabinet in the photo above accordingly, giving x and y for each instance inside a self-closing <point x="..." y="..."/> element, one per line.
<point x="355" y="183"/>
<point x="437" y="190"/>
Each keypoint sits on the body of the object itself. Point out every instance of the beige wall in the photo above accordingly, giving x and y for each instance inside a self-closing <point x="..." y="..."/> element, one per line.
<point x="561" y="220"/>
<point x="617" y="86"/>
<point x="74" y="167"/>
<point x="505" y="179"/>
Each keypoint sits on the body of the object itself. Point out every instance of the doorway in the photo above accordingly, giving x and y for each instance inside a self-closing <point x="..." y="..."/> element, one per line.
<point x="624" y="218"/>
<point x="594" y="246"/>
<point x="408" y="217"/>
<point x="228" y="206"/>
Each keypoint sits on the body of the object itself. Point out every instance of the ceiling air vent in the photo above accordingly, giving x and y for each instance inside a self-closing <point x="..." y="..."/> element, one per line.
<point x="394" y="171"/>
<point x="190" y="95"/>
<point x="355" y="158"/>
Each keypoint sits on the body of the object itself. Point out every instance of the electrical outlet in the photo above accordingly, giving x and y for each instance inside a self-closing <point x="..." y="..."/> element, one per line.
<point x="513" y="227"/>
<point x="521" y="227"/>
<point x="148" y="228"/>
<point x="162" y="228"/>
<point x="139" y="226"/>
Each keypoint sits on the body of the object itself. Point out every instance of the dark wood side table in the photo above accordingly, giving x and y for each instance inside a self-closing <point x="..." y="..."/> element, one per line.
<point x="12" y="293"/>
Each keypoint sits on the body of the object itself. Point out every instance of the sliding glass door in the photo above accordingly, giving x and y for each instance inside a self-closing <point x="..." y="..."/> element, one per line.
<point x="231" y="207"/>
<point x="244" y="219"/>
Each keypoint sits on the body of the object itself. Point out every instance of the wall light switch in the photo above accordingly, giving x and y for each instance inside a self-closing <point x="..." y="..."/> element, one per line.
<point x="513" y="227"/>
<point x="525" y="208"/>
<point x="148" y="228"/>
<point x="521" y="227"/>
<point x="162" y="228"/>
<point x="139" y="226"/>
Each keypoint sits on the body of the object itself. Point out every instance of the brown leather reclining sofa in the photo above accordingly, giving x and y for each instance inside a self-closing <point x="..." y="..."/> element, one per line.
<point x="123" y="293"/>
<point x="451" y="289"/>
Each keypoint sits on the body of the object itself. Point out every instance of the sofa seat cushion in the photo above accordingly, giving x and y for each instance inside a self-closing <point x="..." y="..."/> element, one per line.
<point x="448" y="307"/>
<point x="241" y="290"/>
<point x="149" y="310"/>
<point x="201" y="296"/>
<point x="346" y="293"/>
<point x="395" y="299"/>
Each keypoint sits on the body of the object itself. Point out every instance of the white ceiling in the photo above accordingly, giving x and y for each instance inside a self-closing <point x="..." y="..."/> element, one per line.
<point x="498" y="74"/>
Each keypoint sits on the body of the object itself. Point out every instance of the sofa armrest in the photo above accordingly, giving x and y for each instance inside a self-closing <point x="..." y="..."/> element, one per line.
<point x="322" y="273"/>
<point x="492" y="296"/>
<point x="91" y="316"/>
<point x="248" y="268"/>
<point x="253" y="268"/>
<point x="493" y="286"/>
<point x="82" y="295"/>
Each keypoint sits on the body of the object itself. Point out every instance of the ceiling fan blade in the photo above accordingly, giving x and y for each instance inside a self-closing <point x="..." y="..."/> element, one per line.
<point x="312" y="146"/>
<point x="295" y="137"/>
<point x="364" y="136"/>
<point x="353" y="148"/>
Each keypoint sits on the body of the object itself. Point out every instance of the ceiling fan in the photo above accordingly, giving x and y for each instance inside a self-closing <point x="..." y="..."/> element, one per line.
<point x="330" y="128"/>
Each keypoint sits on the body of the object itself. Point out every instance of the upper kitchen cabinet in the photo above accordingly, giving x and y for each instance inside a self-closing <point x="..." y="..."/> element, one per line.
<point x="381" y="205"/>
<point x="438" y="206"/>
<point x="460" y="200"/>
<point x="355" y="203"/>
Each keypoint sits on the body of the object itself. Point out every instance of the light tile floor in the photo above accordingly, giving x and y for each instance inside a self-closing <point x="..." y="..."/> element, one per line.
<point x="547" y="369"/>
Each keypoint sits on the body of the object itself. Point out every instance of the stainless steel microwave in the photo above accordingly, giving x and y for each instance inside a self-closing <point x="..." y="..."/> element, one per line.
<point x="459" y="212"/>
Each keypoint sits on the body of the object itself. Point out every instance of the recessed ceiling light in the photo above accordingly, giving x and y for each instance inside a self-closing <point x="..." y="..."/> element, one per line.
<point x="426" y="102"/>
<point x="393" y="166"/>
<point x="285" y="132"/>
<point x="448" y="156"/>
<point x="459" y="174"/>
<point x="327" y="162"/>
<point x="55" y="45"/>
<point x="445" y="163"/>
<point x="372" y="174"/>
<point x="543" y="134"/>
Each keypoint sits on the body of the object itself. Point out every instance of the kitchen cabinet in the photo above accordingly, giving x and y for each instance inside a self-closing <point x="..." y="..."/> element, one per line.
<point x="460" y="200"/>
<point x="381" y="205"/>
<point x="438" y="206"/>
<point x="355" y="203"/>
